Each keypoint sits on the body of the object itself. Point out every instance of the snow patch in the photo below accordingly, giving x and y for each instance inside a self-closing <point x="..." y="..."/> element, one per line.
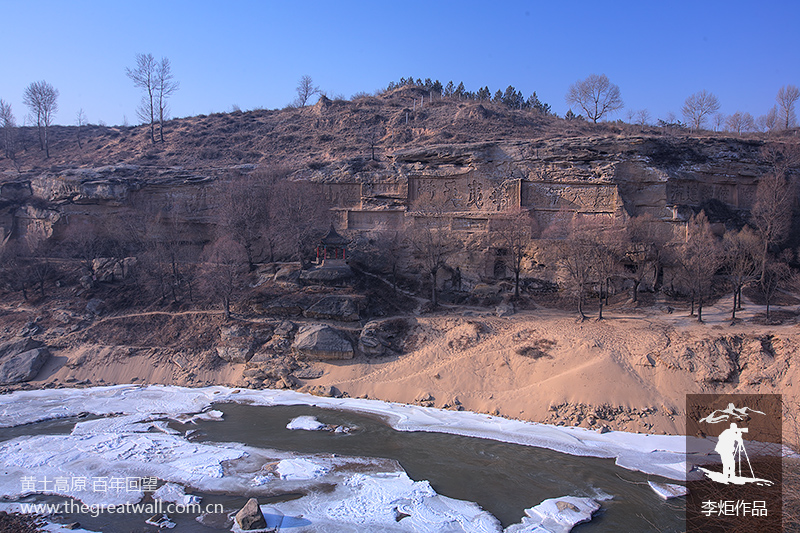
<point x="307" y="423"/>
<point x="383" y="502"/>
<point x="556" y="515"/>
<point x="296" y="469"/>
<point x="172" y="492"/>
<point x="668" y="490"/>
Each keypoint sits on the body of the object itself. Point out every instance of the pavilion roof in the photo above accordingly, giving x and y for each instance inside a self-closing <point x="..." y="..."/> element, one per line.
<point x="334" y="239"/>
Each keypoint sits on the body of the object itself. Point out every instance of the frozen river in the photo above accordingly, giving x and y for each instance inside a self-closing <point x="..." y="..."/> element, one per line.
<point x="427" y="478"/>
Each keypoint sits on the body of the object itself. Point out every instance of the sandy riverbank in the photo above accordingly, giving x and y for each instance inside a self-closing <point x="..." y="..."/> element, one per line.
<point x="630" y="371"/>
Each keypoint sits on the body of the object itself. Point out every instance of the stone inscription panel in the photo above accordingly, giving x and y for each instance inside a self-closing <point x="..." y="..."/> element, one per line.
<point x="689" y="192"/>
<point x="382" y="189"/>
<point x="462" y="193"/>
<point x="588" y="198"/>
<point x="342" y="194"/>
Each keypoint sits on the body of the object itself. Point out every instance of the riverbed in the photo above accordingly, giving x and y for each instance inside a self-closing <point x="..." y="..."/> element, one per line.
<point x="502" y="478"/>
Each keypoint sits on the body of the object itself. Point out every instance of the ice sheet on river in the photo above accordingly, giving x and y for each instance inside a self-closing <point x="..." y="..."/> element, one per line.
<point x="371" y="493"/>
<point x="132" y="443"/>
<point x="653" y="454"/>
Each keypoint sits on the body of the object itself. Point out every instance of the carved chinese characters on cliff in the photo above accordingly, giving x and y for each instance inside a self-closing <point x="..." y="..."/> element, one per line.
<point x="463" y="193"/>
<point x="695" y="192"/>
<point x="582" y="198"/>
<point x="342" y="194"/>
<point x="475" y="194"/>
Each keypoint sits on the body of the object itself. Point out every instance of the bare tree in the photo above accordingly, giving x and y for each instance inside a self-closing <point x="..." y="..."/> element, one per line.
<point x="167" y="259"/>
<point x="431" y="245"/>
<point x="596" y="96"/>
<point x="576" y="259"/>
<point x="224" y="270"/>
<point x="372" y="136"/>
<point x="787" y="97"/>
<point x="305" y="90"/>
<point x="699" y="106"/>
<point x="769" y="122"/>
<point x="647" y="240"/>
<point x="8" y="125"/>
<point x="12" y="267"/>
<point x="740" y="122"/>
<point x="719" y="120"/>
<point x="642" y="118"/>
<point x="700" y="256"/>
<point x="40" y="270"/>
<point x="80" y="122"/>
<point x="743" y="261"/>
<point x="244" y="210"/>
<point x="513" y="232"/>
<point x="165" y="86"/>
<point x="776" y="273"/>
<point x="298" y="215"/>
<point x="772" y="212"/>
<point x="392" y="247"/>
<point x="42" y="99"/>
<point x="610" y="246"/>
<point x="144" y="77"/>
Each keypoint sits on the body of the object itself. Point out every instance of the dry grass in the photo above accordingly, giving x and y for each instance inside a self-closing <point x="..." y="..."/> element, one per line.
<point x="331" y="134"/>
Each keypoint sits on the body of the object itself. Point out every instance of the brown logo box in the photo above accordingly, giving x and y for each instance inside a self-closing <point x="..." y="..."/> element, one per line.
<point x="733" y="452"/>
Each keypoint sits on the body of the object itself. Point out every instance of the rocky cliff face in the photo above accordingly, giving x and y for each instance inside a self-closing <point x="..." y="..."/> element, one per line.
<point x="59" y="205"/>
<point x="600" y="176"/>
<point x="593" y="175"/>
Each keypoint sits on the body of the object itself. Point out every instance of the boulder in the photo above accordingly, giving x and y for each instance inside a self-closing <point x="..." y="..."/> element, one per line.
<point x="327" y="275"/>
<point x="342" y="308"/>
<point x="18" y="346"/>
<point x="280" y="343"/>
<point x="16" y="191"/>
<point x="289" y="272"/>
<point x="238" y="343"/>
<point x="87" y="282"/>
<point x="285" y="328"/>
<point x="107" y="269"/>
<point x="128" y="264"/>
<point x="290" y="305"/>
<point x="324" y="391"/>
<point x="95" y="306"/>
<point x="22" y="366"/>
<point x="250" y="516"/>
<point x="318" y="341"/>
<point x="29" y="329"/>
<point x="506" y="308"/>
<point x="382" y="337"/>
<point x="483" y="290"/>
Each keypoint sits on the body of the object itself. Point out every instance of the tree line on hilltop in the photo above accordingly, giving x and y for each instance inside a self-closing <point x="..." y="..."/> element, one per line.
<point x="511" y="97"/>
<point x="595" y="98"/>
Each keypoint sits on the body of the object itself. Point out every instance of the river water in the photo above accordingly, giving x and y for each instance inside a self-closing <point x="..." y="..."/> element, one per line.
<point x="503" y="479"/>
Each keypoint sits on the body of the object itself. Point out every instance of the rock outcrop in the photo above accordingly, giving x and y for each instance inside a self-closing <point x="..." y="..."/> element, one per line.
<point x="250" y="516"/>
<point x="318" y="341"/>
<point x="237" y="344"/>
<point x="383" y="337"/>
<point x="341" y="308"/>
<point x="21" y="360"/>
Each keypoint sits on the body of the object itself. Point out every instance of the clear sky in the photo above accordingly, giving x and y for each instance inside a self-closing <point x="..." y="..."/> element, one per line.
<point x="252" y="53"/>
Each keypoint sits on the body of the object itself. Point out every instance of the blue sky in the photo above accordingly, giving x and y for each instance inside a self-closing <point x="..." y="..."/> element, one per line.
<point x="252" y="53"/>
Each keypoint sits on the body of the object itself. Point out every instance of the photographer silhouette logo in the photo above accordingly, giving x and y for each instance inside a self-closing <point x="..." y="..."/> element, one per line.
<point x="730" y="446"/>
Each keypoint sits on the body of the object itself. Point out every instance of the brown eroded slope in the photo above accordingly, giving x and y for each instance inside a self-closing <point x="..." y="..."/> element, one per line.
<point x="630" y="371"/>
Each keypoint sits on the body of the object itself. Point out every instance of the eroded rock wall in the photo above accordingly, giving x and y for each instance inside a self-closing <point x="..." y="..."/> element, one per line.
<point x="606" y="176"/>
